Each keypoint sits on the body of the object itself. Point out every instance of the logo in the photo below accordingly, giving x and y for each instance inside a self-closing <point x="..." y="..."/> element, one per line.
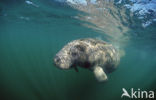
<point x="137" y="93"/>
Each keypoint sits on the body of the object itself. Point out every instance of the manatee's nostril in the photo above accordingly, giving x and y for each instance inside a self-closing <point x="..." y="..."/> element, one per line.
<point x="57" y="59"/>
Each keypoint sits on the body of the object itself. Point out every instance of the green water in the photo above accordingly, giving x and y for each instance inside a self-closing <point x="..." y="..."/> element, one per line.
<point x="27" y="48"/>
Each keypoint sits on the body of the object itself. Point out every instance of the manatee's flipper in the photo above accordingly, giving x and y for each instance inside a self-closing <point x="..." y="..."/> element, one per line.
<point x="76" y="69"/>
<point x="99" y="74"/>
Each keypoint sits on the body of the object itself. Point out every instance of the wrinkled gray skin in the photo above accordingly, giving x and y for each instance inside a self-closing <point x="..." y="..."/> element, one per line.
<point x="96" y="55"/>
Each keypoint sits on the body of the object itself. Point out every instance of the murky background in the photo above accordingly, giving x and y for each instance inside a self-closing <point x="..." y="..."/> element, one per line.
<point x="31" y="35"/>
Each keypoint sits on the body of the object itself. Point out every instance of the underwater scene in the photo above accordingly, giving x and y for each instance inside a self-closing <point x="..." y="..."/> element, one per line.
<point x="32" y="32"/>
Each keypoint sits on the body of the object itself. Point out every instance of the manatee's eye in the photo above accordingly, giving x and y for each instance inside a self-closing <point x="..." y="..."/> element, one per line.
<point x="81" y="47"/>
<point x="74" y="53"/>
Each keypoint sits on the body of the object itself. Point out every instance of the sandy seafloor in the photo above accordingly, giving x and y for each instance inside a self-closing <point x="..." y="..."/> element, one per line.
<point x="31" y="35"/>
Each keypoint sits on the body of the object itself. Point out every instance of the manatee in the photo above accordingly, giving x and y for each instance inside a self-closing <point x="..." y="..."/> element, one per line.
<point x="96" y="55"/>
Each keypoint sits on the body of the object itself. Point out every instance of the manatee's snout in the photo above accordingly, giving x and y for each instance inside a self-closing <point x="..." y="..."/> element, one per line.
<point x="62" y="62"/>
<point x="56" y="60"/>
